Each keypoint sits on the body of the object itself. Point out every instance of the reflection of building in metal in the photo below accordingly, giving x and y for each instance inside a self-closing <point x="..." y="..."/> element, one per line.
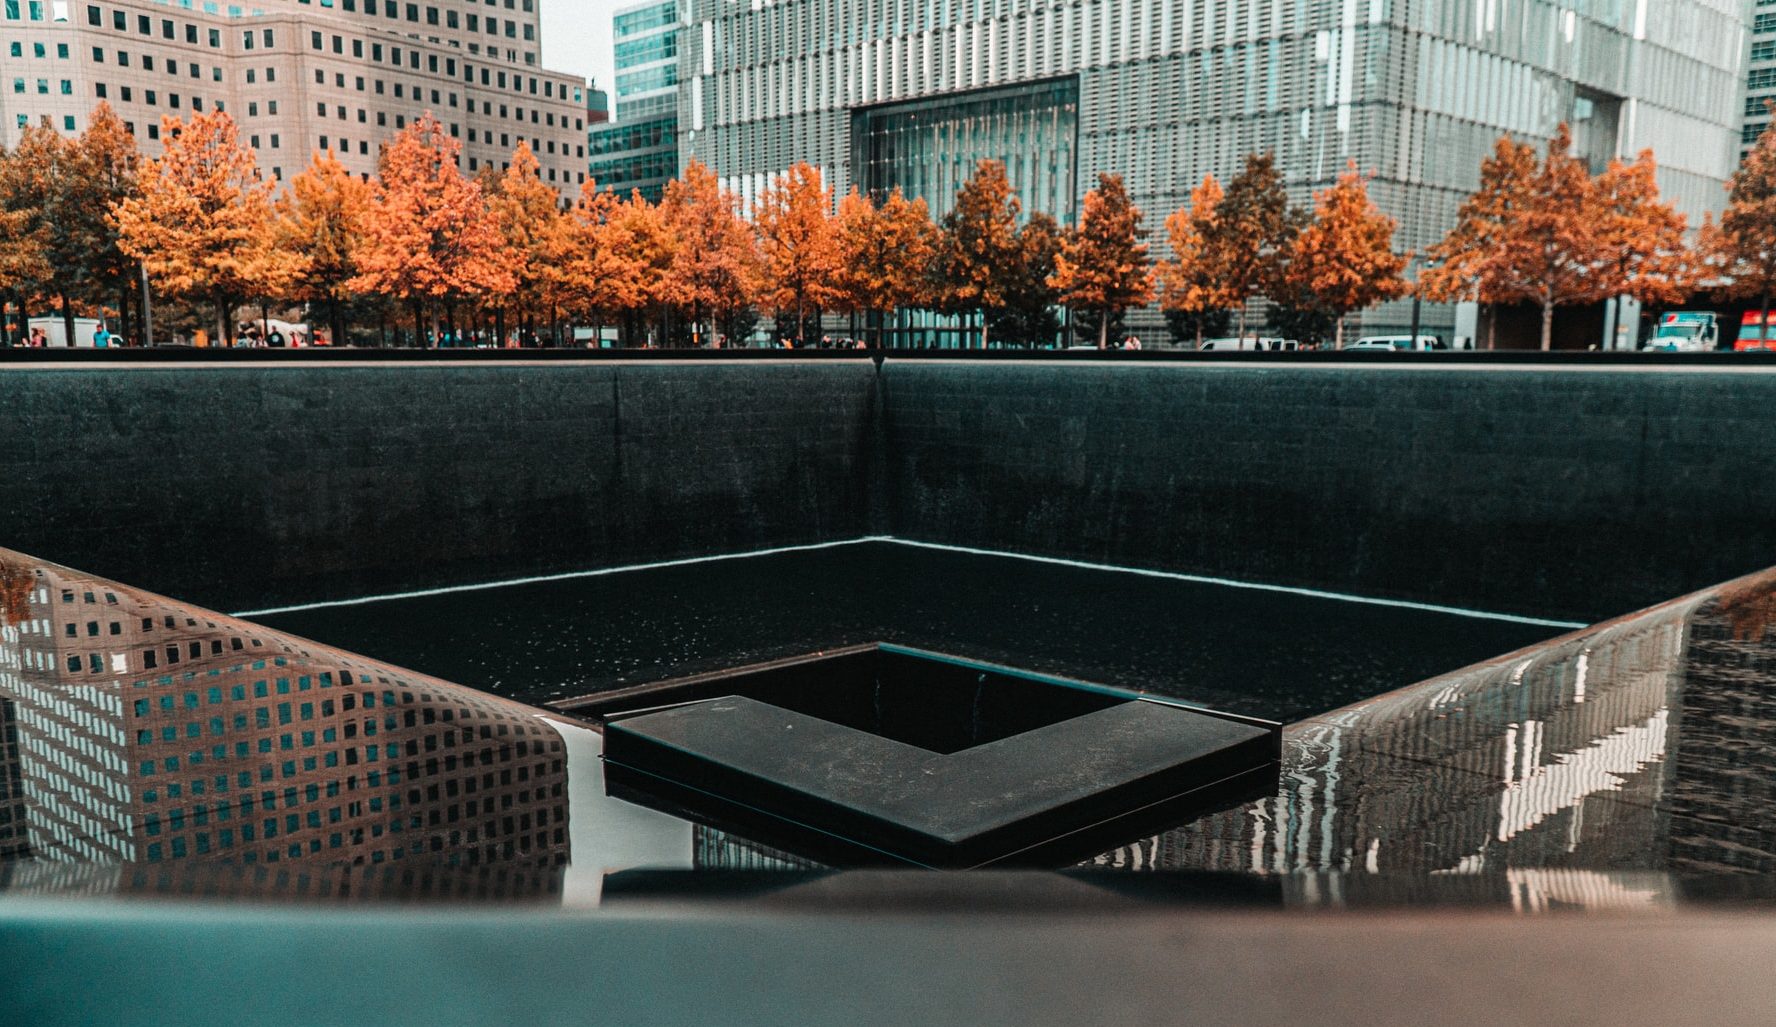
<point x="148" y="732"/>
<point x="1556" y="759"/>
<point x="14" y="842"/>
<point x="1724" y="777"/>
<point x="406" y="881"/>
<point x="714" y="849"/>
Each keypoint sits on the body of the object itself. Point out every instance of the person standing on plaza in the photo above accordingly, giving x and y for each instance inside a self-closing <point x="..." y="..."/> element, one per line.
<point x="101" y="337"/>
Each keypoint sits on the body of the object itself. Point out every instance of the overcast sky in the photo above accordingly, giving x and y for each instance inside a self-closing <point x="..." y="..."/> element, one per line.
<point x="577" y="38"/>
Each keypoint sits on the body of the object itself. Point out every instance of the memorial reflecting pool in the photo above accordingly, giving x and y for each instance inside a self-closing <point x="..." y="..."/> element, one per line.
<point x="1271" y="654"/>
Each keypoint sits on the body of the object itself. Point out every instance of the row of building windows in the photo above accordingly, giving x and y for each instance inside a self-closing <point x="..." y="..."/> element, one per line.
<point x="450" y="20"/>
<point x="145" y="27"/>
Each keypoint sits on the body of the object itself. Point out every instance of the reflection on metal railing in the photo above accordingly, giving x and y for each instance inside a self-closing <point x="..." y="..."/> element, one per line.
<point x="1645" y="745"/>
<point x="135" y="730"/>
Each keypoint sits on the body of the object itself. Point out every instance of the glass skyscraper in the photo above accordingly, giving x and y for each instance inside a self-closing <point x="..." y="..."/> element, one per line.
<point x="1415" y="91"/>
<point x="639" y="149"/>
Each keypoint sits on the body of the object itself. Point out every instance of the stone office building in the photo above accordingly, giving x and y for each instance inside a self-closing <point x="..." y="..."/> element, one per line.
<point x="883" y="93"/>
<point x="298" y="76"/>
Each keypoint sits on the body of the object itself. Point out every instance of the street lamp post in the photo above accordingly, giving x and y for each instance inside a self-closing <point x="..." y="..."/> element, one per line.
<point x="147" y="309"/>
<point x="1418" y="271"/>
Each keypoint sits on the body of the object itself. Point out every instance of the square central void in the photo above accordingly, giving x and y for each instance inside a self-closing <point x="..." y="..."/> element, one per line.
<point x="878" y="754"/>
<point x="928" y="702"/>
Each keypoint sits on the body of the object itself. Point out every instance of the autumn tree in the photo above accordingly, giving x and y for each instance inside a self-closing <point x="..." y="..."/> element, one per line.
<point x="1535" y="234"/>
<point x="583" y="258"/>
<point x="1027" y="315"/>
<point x="645" y="247"/>
<point x="1640" y="238"/>
<point x="107" y="163"/>
<point x="1550" y="251"/>
<point x="715" y="265"/>
<point x="1253" y="230"/>
<point x="321" y="223"/>
<point x="1344" y="259"/>
<point x="886" y="253"/>
<point x="1744" y="242"/>
<point x="800" y="244"/>
<point x="1191" y="291"/>
<point x="23" y="239"/>
<point x="526" y="211"/>
<point x="429" y="236"/>
<point x="1102" y="266"/>
<point x="979" y="245"/>
<point x="203" y="222"/>
<point x="1468" y="263"/>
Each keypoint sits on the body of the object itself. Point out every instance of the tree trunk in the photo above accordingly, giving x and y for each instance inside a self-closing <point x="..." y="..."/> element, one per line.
<point x="68" y="321"/>
<point x="1491" y="327"/>
<point x="1547" y="326"/>
<point x="1338" y="334"/>
<point x="418" y="322"/>
<point x="983" y="328"/>
<point x="1103" y="329"/>
<point x="1199" y="328"/>
<point x="1764" y="318"/>
<point x="1242" y="325"/>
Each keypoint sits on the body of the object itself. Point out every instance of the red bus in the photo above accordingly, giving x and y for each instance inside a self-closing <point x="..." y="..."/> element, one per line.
<point x="1756" y="333"/>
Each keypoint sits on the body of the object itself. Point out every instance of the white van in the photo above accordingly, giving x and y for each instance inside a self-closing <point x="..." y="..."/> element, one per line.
<point x="1397" y="343"/>
<point x="56" y="329"/>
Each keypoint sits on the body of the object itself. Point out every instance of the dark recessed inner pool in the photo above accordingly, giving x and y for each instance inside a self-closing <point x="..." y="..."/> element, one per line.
<point x="1269" y="654"/>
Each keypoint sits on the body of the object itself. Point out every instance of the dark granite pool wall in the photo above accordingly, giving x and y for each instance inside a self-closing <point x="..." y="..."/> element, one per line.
<point x="1573" y="493"/>
<point x="1578" y="493"/>
<point x="262" y="484"/>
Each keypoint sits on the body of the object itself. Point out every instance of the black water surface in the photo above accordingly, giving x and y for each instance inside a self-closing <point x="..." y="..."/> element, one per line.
<point x="1267" y="654"/>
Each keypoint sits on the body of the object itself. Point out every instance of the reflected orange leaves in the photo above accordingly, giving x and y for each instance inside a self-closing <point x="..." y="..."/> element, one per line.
<point x="1750" y="608"/>
<point x="15" y="590"/>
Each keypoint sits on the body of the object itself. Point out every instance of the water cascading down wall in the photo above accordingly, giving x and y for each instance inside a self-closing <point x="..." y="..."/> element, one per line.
<point x="1555" y="491"/>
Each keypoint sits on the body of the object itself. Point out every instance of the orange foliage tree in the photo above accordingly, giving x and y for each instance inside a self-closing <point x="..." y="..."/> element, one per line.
<point x="1642" y="252"/>
<point x="24" y="234"/>
<point x="1468" y="263"/>
<point x="586" y="258"/>
<point x="980" y="245"/>
<point x="1253" y="229"/>
<point x="1743" y="244"/>
<point x="1188" y="282"/>
<point x="527" y="211"/>
<point x="885" y="255"/>
<point x="800" y="245"/>
<point x="321" y="222"/>
<point x="1345" y="257"/>
<point x="715" y="266"/>
<point x="203" y="224"/>
<point x="1532" y="233"/>
<point x="1102" y="264"/>
<point x="108" y="163"/>
<point x="429" y="236"/>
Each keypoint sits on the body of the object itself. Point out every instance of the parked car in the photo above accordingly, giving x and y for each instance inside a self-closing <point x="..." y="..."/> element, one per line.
<point x="1397" y="343"/>
<point x="1248" y="344"/>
